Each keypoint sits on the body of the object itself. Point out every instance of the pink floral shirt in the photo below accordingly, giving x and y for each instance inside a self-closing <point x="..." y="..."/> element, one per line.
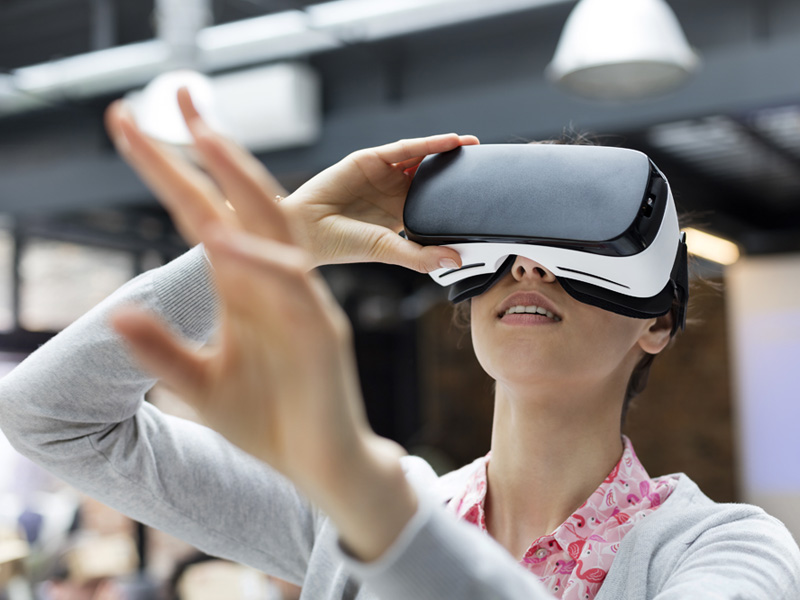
<point x="573" y="560"/>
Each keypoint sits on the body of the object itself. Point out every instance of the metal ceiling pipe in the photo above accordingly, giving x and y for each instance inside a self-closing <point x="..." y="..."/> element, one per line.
<point x="180" y="23"/>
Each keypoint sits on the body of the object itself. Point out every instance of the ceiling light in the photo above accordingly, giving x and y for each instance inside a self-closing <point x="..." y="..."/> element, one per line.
<point x="156" y="110"/>
<point x="263" y="108"/>
<point x="621" y="50"/>
<point x="711" y="247"/>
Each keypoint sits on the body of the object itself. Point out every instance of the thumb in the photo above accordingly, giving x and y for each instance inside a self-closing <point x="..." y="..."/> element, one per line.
<point x="397" y="250"/>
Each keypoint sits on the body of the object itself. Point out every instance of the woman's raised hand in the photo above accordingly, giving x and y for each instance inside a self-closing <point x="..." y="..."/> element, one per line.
<point x="351" y="212"/>
<point x="281" y="383"/>
<point x="354" y="209"/>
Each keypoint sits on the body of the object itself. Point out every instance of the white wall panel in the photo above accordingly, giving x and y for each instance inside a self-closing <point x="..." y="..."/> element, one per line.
<point x="764" y="318"/>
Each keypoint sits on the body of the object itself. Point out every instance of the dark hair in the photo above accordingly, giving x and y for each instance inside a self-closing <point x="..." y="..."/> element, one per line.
<point x="641" y="372"/>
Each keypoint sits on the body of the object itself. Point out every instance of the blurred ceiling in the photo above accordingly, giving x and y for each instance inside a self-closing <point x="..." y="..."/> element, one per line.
<point x="729" y="140"/>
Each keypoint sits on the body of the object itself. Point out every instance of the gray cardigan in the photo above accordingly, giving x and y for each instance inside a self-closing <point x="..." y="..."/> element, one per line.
<point x="75" y="406"/>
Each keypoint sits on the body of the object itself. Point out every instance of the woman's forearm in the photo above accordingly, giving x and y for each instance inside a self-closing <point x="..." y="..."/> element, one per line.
<point x="370" y="500"/>
<point x="76" y="407"/>
<point x="84" y="379"/>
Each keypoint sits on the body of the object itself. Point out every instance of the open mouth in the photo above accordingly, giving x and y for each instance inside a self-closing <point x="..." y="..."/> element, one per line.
<point x="530" y="310"/>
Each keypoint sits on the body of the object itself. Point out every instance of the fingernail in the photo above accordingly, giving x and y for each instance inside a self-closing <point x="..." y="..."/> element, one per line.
<point x="448" y="263"/>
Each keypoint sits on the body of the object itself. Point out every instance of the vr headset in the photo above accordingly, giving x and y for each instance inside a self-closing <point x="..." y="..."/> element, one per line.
<point x="602" y="220"/>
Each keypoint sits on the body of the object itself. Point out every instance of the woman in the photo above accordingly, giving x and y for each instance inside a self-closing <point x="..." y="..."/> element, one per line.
<point x="318" y="499"/>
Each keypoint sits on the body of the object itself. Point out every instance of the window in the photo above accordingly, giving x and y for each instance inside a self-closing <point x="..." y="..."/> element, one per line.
<point x="60" y="281"/>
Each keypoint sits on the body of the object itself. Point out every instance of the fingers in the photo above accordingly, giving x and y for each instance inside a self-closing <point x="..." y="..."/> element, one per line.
<point x="247" y="185"/>
<point x="247" y="265"/>
<point x="159" y="352"/>
<point x="189" y="196"/>
<point x="269" y="285"/>
<point x="393" y="249"/>
<point x="403" y="150"/>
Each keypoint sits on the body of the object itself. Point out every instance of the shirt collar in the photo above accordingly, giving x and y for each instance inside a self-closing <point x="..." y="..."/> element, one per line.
<point x="627" y="488"/>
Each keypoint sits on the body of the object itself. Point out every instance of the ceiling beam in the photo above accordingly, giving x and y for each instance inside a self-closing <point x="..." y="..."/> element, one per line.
<point x="733" y="81"/>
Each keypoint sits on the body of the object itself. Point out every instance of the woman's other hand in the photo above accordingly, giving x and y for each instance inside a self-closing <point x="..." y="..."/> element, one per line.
<point x="281" y="383"/>
<point x="351" y="212"/>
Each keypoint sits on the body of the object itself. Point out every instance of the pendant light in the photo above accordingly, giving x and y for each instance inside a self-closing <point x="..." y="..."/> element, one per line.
<point x="156" y="106"/>
<point x="622" y="50"/>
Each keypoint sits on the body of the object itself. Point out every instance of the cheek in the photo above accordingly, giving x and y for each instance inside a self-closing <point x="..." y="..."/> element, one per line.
<point x="481" y="345"/>
<point x="609" y="341"/>
<point x="486" y="348"/>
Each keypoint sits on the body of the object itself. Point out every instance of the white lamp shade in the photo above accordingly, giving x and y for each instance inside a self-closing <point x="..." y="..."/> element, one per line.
<point x="621" y="50"/>
<point x="156" y="108"/>
<point x="263" y="108"/>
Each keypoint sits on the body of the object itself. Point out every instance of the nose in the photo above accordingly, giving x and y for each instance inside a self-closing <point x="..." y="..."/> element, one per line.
<point x="525" y="268"/>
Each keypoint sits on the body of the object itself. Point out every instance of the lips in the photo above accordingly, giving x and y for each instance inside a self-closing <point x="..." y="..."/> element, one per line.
<point x="529" y="299"/>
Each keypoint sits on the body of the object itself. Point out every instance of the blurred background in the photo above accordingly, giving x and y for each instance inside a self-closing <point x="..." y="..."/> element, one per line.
<point x="710" y="89"/>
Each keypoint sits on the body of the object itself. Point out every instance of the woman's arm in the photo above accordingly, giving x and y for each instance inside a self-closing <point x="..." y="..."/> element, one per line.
<point x="76" y="407"/>
<point x="437" y="556"/>
<point x="282" y="385"/>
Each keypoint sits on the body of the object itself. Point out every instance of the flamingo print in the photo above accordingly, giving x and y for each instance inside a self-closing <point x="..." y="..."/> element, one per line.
<point x="565" y="567"/>
<point x="595" y="575"/>
<point x="613" y="475"/>
<point x="580" y="522"/>
<point x="580" y="551"/>
<point x="619" y="516"/>
<point x="644" y="489"/>
<point x="575" y="549"/>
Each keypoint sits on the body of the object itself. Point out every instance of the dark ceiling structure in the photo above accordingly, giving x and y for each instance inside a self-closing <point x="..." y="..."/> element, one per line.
<point x="729" y="140"/>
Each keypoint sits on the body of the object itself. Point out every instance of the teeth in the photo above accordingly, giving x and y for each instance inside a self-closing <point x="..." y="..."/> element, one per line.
<point x="533" y="310"/>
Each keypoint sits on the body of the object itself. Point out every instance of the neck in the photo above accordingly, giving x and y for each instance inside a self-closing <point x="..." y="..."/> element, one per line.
<point x="550" y="451"/>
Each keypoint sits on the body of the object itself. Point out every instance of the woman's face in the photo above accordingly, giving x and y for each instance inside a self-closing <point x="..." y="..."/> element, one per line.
<point x="571" y="343"/>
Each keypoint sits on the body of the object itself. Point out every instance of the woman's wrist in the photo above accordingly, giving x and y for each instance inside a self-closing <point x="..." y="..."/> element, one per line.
<point x="371" y="500"/>
<point x="297" y="213"/>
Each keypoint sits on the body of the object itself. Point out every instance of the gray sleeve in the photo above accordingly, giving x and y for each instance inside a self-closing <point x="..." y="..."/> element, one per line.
<point x="710" y="552"/>
<point x="76" y="407"/>
<point x="437" y="556"/>
<point x="753" y="557"/>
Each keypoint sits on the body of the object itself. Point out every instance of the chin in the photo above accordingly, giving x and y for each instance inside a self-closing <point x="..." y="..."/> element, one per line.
<point x="520" y="368"/>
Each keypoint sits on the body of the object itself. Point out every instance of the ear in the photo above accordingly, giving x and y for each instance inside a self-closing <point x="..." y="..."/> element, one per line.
<point x="657" y="335"/>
